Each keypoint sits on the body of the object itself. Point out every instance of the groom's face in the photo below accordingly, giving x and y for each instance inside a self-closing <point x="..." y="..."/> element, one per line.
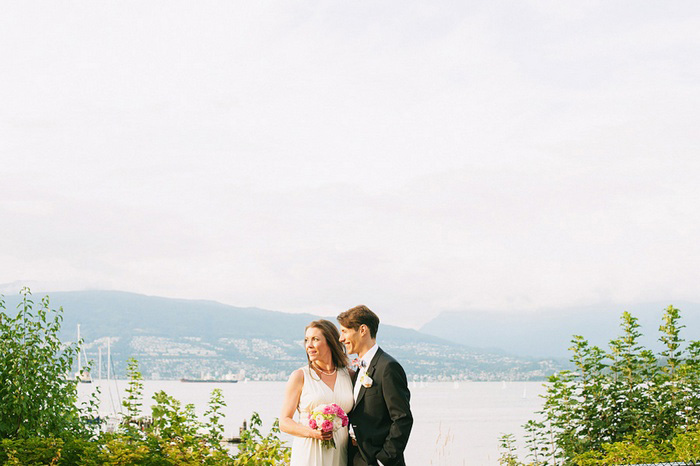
<point x="350" y="338"/>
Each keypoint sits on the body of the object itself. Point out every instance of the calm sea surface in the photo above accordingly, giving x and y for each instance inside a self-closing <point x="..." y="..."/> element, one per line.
<point x="454" y="424"/>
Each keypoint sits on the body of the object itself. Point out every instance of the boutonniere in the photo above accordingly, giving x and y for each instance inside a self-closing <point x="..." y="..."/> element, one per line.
<point x="365" y="380"/>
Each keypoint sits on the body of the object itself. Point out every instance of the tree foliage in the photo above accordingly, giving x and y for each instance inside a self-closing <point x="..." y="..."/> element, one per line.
<point x="41" y="423"/>
<point x="623" y="405"/>
<point x="38" y="394"/>
<point x="256" y="449"/>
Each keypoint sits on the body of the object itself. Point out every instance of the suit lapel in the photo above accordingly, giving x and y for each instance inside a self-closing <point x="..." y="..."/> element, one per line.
<point x="370" y="374"/>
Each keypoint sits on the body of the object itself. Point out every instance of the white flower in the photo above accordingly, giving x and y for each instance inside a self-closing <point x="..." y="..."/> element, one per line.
<point x="366" y="380"/>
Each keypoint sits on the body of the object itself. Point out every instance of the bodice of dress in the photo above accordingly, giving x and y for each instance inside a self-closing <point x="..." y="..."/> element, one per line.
<point x="315" y="392"/>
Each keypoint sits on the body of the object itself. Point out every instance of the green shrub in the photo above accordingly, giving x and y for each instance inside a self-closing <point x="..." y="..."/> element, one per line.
<point x="37" y="395"/>
<point x="177" y="437"/>
<point x="623" y="405"/>
<point x="30" y="451"/>
<point x="41" y="424"/>
<point x="686" y="446"/>
<point x="255" y="449"/>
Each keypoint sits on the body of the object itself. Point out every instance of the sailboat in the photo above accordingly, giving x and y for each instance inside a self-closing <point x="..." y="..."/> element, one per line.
<point x="113" y="418"/>
<point x="83" y="375"/>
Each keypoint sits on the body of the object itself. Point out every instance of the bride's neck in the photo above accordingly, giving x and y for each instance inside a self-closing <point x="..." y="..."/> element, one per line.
<point x="324" y="365"/>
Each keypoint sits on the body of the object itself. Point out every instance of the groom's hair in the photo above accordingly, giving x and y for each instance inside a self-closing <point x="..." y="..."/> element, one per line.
<point x="360" y="315"/>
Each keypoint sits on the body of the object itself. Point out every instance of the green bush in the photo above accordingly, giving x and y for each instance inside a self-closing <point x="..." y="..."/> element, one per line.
<point x="30" y="451"/>
<point x="177" y="437"/>
<point x="41" y="423"/>
<point x="255" y="449"/>
<point x="623" y="405"/>
<point x="38" y="396"/>
<point x="686" y="446"/>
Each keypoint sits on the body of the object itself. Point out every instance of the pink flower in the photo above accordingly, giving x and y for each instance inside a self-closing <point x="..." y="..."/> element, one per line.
<point x="312" y="423"/>
<point x="326" y="425"/>
<point x="344" y="418"/>
<point x="329" y="409"/>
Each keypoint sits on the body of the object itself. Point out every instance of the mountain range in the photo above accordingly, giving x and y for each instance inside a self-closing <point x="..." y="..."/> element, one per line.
<point x="547" y="333"/>
<point x="173" y="338"/>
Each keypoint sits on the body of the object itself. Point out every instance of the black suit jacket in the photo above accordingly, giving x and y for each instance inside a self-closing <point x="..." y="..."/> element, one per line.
<point x="381" y="417"/>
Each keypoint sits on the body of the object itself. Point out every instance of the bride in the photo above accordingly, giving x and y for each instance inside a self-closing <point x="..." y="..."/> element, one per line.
<point x="324" y="380"/>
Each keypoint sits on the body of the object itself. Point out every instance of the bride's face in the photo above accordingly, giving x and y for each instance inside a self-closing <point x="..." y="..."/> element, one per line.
<point x="316" y="345"/>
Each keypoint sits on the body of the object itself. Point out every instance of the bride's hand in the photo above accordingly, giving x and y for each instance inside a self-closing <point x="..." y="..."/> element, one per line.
<point x="319" y="435"/>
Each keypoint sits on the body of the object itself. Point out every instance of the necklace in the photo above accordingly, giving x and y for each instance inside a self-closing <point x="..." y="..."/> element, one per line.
<point x="324" y="372"/>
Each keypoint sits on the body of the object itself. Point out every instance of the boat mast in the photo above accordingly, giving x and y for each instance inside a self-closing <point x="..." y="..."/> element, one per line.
<point x="109" y="356"/>
<point x="80" y="367"/>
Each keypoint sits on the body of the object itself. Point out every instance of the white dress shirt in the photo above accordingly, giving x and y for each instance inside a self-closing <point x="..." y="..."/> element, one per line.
<point x="367" y="358"/>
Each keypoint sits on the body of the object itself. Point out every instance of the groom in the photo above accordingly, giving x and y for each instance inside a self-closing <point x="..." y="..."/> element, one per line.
<point x="381" y="420"/>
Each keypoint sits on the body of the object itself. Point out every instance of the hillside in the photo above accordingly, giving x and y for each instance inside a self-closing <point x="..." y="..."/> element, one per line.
<point x="175" y="338"/>
<point x="547" y="333"/>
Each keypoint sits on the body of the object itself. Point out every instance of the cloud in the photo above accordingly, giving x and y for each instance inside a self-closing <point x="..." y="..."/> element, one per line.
<point x="308" y="157"/>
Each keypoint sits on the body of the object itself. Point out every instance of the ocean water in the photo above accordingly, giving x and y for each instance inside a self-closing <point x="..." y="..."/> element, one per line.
<point x="454" y="423"/>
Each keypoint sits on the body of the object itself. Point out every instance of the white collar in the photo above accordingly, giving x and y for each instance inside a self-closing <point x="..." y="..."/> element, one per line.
<point x="370" y="354"/>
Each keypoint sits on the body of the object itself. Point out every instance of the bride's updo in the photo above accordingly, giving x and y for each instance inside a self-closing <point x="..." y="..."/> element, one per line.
<point x="332" y="336"/>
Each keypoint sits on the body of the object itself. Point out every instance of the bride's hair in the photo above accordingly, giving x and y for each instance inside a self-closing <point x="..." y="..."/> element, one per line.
<point x="332" y="336"/>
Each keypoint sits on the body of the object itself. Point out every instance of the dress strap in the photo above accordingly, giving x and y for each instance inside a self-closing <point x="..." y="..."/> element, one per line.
<point x="305" y="371"/>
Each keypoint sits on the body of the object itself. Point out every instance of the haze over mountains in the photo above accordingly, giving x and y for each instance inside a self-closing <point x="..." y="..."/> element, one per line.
<point x="137" y="321"/>
<point x="548" y="333"/>
<point x="175" y="338"/>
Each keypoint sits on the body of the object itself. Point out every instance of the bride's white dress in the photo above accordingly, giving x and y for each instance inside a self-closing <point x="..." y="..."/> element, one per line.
<point x="307" y="451"/>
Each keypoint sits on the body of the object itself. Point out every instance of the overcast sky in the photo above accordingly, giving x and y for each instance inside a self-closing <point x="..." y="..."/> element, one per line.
<point x="414" y="156"/>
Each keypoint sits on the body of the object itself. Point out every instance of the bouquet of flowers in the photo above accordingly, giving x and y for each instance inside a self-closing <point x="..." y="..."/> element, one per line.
<point x="327" y="418"/>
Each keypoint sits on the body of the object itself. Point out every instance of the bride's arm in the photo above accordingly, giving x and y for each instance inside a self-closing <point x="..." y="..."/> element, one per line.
<point x="291" y="400"/>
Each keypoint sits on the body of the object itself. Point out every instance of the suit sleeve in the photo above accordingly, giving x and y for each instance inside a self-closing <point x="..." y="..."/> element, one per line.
<point x="397" y="398"/>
